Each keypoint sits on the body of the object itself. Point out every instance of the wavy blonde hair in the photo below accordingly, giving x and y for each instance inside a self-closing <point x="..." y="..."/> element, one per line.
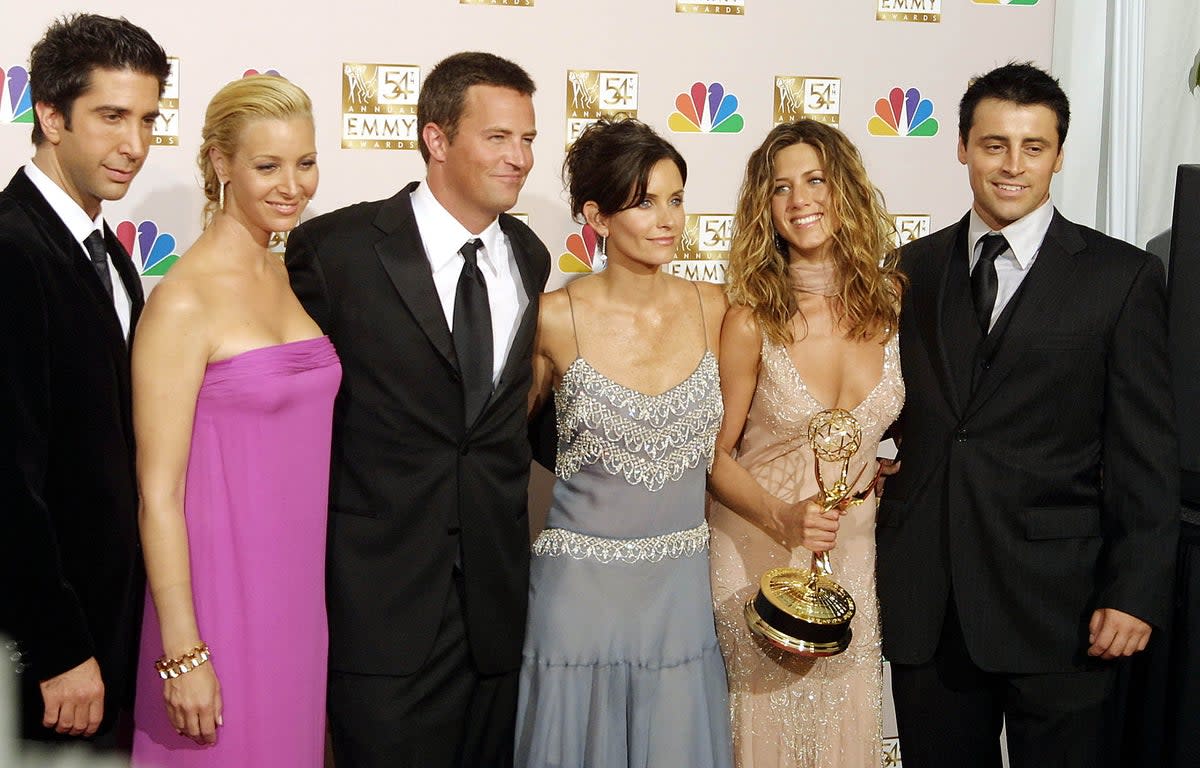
<point x="865" y="259"/>
<point x="239" y="103"/>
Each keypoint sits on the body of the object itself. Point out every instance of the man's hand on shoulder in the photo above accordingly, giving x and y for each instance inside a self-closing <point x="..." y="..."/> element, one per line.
<point x="75" y="700"/>
<point x="1114" y="633"/>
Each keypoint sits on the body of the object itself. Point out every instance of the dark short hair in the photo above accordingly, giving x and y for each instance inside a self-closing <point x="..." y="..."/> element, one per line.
<point x="610" y="163"/>
<point x="61" y="63"/>
<point x="1018" y="82"/>
<point x="444" y="90"/>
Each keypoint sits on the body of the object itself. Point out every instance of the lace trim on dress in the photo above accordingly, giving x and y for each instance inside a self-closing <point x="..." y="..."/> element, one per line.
<point x="648" y="439"/>
<point x="886" y="395"/>
<point x="556" y="542"/>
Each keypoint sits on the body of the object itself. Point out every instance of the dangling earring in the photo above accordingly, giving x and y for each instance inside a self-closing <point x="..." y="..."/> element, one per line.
<point x="601" y="260"/>
<point x="780" y="245"/>
<point x="221" y="197"/>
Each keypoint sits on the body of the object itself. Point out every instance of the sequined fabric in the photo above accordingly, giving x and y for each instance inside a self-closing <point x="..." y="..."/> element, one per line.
<point x="558" y="542"/>
<point x="649" y="440"/>
<point x="790" y="711"/>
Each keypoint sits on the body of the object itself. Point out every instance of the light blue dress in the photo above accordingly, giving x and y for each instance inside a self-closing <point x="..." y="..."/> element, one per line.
<point x="621" y="663"/>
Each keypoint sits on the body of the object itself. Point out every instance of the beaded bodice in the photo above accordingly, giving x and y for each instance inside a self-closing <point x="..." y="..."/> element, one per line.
<point x="784" y="403"/>
<point x="649" y="440"/>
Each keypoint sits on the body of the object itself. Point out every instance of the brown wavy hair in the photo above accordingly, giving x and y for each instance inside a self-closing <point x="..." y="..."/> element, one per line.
<point x="865" y="257"/>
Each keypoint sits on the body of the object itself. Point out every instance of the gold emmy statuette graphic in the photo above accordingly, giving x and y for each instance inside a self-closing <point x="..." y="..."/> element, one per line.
<point x="804" y="611"/>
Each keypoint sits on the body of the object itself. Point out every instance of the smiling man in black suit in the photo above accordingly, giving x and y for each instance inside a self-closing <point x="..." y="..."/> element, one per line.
<point x="431" y="299"/>
<point x="1028" y="539"/>
<point x="69" y="299"/>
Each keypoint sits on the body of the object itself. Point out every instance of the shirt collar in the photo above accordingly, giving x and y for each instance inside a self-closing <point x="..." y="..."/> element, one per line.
<point x="443" y="234"/>
<point x="68" y="211"/>
<point x="1024" y="236"/>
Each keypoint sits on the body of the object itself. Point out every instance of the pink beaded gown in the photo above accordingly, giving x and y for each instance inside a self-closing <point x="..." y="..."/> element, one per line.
<point x="256" y="506"/>
<point x="790" y="711"/>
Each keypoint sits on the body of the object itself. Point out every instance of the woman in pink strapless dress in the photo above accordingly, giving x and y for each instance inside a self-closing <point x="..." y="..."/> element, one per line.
<point x="233" y="405"/>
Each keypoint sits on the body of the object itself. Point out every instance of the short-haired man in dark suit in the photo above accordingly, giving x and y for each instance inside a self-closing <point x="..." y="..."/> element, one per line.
<point x="431" y="299"/>
<point x="1028" y="539"/>
<point x="69" y="300"/>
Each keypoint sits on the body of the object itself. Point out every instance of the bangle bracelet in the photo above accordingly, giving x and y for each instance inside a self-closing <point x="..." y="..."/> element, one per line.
<point x="172" y="668"/>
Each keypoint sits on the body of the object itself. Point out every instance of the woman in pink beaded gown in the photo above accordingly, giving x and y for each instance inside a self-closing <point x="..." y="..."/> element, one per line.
<point x="233" y="401"/>
<point x="811" y="327"/>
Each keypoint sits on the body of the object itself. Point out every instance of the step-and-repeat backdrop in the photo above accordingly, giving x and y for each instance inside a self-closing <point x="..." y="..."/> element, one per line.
<point x="711" y="75"/>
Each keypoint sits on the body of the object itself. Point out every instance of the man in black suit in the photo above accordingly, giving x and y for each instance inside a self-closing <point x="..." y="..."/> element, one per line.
<point x="431" y="300"/>
<point x="69" y="300"/>
<point x="1028" y="538"/>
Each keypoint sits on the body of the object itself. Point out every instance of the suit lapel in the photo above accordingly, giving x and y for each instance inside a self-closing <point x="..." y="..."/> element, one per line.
<point x="528" y="322"/>
<point x="123" y="263"/>
<point x="929" y="280"/>
<point x="1043" y="294"/>
<point x="402" y="255"/>
<point x="71" y="257"/>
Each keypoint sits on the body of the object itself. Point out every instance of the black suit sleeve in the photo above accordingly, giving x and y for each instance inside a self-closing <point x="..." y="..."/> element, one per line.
<point x="307" y="278"/>
<point x="1140" y="459"/>
<point x="40" y="608"/>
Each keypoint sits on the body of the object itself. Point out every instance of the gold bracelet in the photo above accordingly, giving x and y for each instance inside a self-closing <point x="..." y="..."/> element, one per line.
<point x="172" y="668"/>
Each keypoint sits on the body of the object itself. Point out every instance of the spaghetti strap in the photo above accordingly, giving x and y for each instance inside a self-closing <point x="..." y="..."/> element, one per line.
<point x="574" y="330"/>
<point x="703" y="324"/>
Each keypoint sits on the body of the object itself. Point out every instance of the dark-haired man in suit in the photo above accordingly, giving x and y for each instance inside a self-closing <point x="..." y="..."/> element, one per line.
<point x="1028" y="538"/>
<point x="431" y="300"/>
<point x="72" y="592"/>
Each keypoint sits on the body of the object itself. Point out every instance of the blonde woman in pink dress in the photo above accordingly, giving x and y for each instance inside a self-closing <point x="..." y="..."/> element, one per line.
<point x="233" y="389"/>
<point x="812" y="326"/>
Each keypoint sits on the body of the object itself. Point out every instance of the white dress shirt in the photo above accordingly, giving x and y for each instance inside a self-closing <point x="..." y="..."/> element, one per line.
<point x="442" y="235"/>
<point x="80" y="226"/>
<point x="1024" y="236"/>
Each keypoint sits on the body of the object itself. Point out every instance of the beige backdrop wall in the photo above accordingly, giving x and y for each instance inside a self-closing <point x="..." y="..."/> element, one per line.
<point x="853" y="53"/>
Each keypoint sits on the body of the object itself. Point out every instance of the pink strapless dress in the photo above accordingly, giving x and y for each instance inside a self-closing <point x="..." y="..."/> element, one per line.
<point x="256" y="508"/>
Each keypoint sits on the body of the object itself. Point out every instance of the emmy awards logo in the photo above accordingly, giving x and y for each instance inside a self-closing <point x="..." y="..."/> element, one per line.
<point x="593" y="94"/>
<point x="166" y="125"/>
<point x="379" y="105"/>
<point x="923" y="11"/>
<point x="814" y="98"/>
<point x="910" y="226"/>
<point x="703" y="252"/>
<point x="723" y="7"/>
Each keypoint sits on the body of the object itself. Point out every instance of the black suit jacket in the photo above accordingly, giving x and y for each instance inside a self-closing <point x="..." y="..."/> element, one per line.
<point x="73" y="584"/>
<point x="410" y="481"/>
<point x="1047" y="487"/>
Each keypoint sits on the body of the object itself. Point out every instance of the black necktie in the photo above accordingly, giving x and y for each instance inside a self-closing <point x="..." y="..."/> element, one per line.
<point x="473" y="333"/>
<point x="99" y="255"/>
<point x="983" y="278"/>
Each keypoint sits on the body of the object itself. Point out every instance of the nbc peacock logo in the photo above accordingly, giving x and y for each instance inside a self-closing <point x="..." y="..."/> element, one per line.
<point x="16" y="105"/>
<point x="903" y="113"/>
<point x="581" y="257"/>
<point x="252" y="72"/>
<point x="153" y="249"/>
<point x="706" y="109"/>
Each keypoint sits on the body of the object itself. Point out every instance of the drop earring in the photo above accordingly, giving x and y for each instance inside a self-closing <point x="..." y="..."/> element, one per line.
<point x="780" y="245"/>
<point x="221" y="197"/>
